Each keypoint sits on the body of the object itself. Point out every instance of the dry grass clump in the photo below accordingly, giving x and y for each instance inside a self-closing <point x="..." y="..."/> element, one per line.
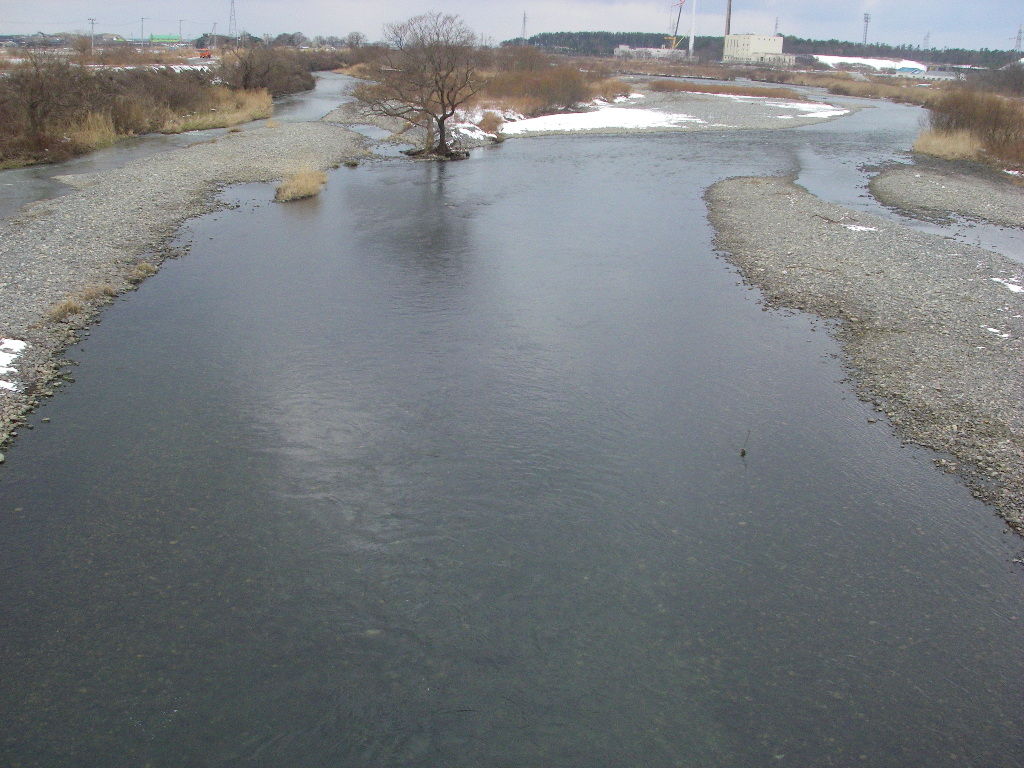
<point x="301" y="184"/>
<point x="62" y="310"/>
<point x="95" y="130"/>
<point x="141" y="271"/>
<point x="669" y="86"/>
<point x="490" y="122"/>
<point x="98" y="292"/>
<point x="226" y="108"/>
<point x="951" y="145"/>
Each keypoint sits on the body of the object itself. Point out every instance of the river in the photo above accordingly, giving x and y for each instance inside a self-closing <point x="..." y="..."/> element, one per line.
<point x="494" y="463"/>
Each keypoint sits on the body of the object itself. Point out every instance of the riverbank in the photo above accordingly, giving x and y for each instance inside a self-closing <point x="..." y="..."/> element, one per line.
<point x="934" y="190"/>
<point x="932" y="330"/>
<point x="61" y="260"/>
<point x="644" y="110"/>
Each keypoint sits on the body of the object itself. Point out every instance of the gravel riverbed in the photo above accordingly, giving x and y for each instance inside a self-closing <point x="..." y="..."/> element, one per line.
<point x="931" y="329"/>
<point x="936" y="192"/>
<point x="99" y="241"/>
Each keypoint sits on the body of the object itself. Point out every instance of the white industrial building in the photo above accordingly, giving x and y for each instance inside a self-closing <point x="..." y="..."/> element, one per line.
<point x="625" y="52"/>
<point x="756" y="49"/>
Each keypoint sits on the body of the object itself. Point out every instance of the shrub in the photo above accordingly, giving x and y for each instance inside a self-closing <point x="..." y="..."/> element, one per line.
<point x="305" y="182"/>
<point x="995" y="121"/>
<point x="544" y="90"/>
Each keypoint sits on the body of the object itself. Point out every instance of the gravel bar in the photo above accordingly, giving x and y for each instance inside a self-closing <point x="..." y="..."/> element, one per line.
<point x="101" y="240"/>
<point x="931" y="329"/>
<point x="934" y="193"/>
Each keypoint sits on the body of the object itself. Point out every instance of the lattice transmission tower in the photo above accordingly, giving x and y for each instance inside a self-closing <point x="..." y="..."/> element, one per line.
<point x="233" y="24"/>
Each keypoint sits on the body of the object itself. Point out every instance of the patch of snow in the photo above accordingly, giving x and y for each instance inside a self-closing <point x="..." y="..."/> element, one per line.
<point x="860" y="228"/>
<point x="9" y="351"/>
<point x="1013" y="172"/>
<point x="997" y="332"/>
<point x="874" y="63"/>
<point x="1013" y="286"/>
<point x="602" y="118"/>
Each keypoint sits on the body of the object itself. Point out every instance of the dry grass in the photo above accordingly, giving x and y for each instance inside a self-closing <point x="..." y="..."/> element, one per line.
<point x="951" y="145"/>
<point x="668" y="86"/>
<point x="227" y="108"/>
<point x="490" y="122"/>
<point x="94" y="131"/>
<point x="301" y="184"/>
<point x="94" y="293"/>
<point x="272" y="123"/>
<point x="141" y="271"/>
<point x="62" y="310"/>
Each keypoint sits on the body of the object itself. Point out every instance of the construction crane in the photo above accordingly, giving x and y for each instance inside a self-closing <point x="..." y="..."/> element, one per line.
<point x="674" y="40"/>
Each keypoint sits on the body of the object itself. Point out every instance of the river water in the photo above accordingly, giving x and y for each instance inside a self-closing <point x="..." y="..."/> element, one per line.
<point x="443" y="468"/>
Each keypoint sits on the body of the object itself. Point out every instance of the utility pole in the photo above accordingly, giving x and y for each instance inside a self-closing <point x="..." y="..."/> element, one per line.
<point x="142" y="31"/>
<point x="867" y="20"/>
<point x="693" y="25"/>
<point x="728" y="17"/>
<point x="523" y="34"/>
<point x="92" y="37"/>
<point x="213" y="37"/>
<point x="180" y="38"/>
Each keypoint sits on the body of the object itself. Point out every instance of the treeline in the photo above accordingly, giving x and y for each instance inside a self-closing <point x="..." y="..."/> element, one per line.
<point x="710" y="47"/>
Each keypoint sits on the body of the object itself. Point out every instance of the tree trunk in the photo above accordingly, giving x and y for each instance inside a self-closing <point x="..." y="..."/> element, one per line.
<point x="442" y="138"/>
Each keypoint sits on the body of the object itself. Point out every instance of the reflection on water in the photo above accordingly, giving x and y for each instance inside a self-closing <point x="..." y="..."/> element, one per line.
<point x="443" y="468"/>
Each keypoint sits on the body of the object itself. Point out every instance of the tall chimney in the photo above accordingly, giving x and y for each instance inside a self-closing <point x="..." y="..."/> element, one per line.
<point x="728" y="16"/>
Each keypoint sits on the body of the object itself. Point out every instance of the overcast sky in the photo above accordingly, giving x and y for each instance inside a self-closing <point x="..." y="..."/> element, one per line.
<point x="977" y="24"/>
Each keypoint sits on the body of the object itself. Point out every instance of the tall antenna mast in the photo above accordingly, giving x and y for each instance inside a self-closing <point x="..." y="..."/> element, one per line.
<point x="1020" y="35"/>
<point x="867" y="20"/>
<point x="92" y="37"/>
<point x="233" y="24"/>
<point x="693" y="25"/>
<point x="523" y="33"/>
<point x="776" y="25"/>
<point x="927" y="41"/>
<point x="728" y="16"/>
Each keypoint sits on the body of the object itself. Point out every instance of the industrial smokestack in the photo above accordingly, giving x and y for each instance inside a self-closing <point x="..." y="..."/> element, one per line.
<point x="728" y="16"/>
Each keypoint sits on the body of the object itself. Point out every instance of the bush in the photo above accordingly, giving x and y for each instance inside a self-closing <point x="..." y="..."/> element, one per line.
<point x="542" y="91"/>
<point x="301" y="184"/>
<point x="995" y="121"/>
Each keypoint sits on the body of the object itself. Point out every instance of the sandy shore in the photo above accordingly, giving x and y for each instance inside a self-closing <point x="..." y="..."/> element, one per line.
<point x="937" y="192"/>
<point x="98" y="242"/>
<point x="932" y="330"/>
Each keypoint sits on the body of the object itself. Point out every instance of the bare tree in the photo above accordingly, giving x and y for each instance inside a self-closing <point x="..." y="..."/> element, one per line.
<point x="428" y="71"/>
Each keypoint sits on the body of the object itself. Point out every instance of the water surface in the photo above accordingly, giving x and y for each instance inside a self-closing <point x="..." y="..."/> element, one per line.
<point x="444" y="468"/>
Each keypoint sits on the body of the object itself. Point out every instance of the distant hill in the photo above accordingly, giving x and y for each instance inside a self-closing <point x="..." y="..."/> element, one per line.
<point x="710" y="47"/>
